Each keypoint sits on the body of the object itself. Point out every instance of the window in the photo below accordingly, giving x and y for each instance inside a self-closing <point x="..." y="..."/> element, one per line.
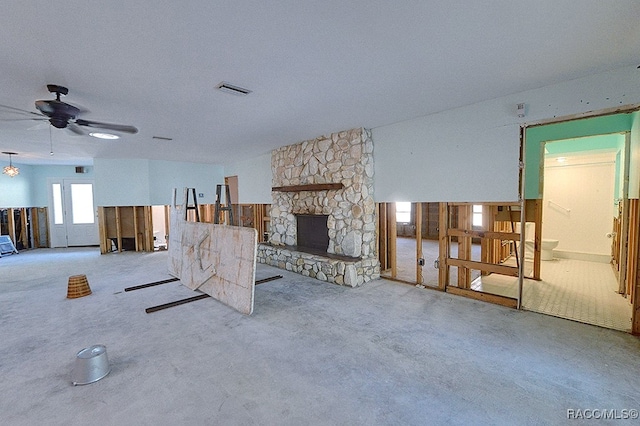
<point x="403" y="212"/>
<point x="82" y="203"/>
<point x="57" y="204"/>
<point x="477" y="215"/>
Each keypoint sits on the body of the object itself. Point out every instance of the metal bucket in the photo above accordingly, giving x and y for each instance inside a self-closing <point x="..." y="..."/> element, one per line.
<point x="91" y="365"/>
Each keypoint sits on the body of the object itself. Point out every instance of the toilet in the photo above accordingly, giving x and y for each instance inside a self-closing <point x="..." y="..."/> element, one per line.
<point x="546" y="251"/>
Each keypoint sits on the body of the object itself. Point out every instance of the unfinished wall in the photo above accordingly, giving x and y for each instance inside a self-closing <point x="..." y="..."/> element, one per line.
<point x="471" y="153"/>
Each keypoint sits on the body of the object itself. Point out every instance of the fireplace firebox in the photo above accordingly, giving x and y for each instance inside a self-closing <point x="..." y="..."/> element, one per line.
<point x="312" y="231"/>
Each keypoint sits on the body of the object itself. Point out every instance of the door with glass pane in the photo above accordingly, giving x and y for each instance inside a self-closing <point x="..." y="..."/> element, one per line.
<point x="73" y="219"/>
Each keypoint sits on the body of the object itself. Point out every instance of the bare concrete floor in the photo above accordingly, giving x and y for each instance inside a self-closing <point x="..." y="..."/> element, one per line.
<point x="312" y="353"/>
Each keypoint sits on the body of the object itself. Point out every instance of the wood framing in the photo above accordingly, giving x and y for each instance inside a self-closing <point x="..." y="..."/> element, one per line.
<point x="418" y="223"/>
<point x="495" y="269"/>
<point x="635" y="317"/>
<point x="486" y="297"/>
<point x="130" y="227"/>
<point x="392" y="234"/>
<point x="12" y="226"/>
<point x="624" y="237"/>
<point x="383" y="236"/>
<point x="465" y="218"/>
<point x="633" y="248"/>
<point x="444" y="250"/>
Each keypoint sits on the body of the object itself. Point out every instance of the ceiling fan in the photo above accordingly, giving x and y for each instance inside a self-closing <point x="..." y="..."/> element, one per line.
<point x="65" y="116"/>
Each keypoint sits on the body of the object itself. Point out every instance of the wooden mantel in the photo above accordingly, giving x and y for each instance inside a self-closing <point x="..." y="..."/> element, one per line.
<point x="309" y="187"/>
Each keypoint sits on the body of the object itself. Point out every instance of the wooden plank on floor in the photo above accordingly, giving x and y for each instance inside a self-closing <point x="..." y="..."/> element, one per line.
<point x="486" y="297"/>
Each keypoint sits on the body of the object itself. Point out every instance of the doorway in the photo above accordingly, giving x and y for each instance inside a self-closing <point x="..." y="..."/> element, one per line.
<point x="583" y="188"/>
<point x="73" y="219"/>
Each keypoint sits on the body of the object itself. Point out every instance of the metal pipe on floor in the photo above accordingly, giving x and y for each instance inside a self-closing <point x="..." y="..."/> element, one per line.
<point x="199" y="297"/>
<point x="138" y="287"/>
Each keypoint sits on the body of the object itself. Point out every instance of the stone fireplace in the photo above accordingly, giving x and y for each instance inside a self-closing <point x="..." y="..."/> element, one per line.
<point x="312" y="232"/>
<point x="329" y="177"/>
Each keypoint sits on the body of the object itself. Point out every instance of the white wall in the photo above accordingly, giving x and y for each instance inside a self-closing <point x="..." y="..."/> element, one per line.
<point x="254" y="179"/>
<point x="579" y="215"/>
<point x="40" y="175"/>
<point x="121" y="182"/>
<point x="471" y="153"/>
<point x="166" y="175"/>
<point x="150" y="182"/>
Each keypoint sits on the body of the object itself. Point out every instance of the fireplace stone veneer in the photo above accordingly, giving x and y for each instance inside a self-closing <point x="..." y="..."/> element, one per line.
<point x="344" y="158"/>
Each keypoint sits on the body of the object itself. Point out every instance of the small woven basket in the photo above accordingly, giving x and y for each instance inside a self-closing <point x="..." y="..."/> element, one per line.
<point x="78" y="287"/>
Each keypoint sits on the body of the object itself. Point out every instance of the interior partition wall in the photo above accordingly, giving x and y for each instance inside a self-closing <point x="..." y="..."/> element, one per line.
<point x="477" y="247"/>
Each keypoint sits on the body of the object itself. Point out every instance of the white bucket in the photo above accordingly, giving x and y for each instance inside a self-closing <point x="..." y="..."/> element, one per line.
<point x="91" y="365"/>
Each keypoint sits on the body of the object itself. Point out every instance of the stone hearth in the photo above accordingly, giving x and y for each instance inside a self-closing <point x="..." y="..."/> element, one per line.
<point x="344" y="159"/>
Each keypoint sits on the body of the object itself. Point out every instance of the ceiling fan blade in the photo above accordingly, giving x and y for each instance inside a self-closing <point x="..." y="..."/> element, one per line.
<point x="75" y="129"/>
<point x="23" y="119"/>
<point x="40" y="126"/>
<point x="23" y="111"/>
<point x="108" y="126"/>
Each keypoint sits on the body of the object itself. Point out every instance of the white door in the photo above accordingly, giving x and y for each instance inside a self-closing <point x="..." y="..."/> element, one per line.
<point x="73" y="219"/>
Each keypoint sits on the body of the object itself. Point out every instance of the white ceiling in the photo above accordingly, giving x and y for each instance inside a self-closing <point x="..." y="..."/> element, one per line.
<point x="315" y="67"/>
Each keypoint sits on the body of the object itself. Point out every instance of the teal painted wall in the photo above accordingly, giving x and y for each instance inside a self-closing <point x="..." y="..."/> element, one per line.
<point x="535" y="136"/>
<point x="634" y="170"/>
<point x="16" y="191"/>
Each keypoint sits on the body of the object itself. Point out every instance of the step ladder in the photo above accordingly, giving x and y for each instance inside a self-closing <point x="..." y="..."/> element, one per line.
<point x="6" y="245"/>
<point x="227" y="206"/>
<point x="193" y="206"/>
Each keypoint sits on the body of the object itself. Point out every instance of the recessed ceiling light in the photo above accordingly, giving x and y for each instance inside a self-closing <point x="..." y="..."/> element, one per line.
<point x="104" y="135"/>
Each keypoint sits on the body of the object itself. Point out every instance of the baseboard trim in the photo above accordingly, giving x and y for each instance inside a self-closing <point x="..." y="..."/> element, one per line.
<point x="576" y="255"/>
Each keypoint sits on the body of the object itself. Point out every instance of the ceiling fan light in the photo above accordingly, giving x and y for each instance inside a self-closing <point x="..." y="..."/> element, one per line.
<point x="10" y="170"/>
<point x="101" y="135"/>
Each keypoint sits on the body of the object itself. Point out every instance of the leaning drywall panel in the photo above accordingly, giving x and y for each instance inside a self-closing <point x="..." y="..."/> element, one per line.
<point x="218" y="260"/>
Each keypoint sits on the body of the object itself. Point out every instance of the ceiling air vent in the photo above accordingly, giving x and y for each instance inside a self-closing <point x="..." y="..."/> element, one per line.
<point x="234" y="90"/>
